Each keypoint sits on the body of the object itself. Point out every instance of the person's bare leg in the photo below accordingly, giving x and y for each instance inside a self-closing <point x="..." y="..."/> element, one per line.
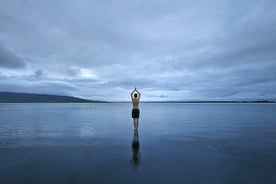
<point x="135" y="123"/>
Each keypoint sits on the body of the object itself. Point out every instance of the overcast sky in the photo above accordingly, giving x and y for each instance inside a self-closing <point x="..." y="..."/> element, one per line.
<point x="169" y="50"/>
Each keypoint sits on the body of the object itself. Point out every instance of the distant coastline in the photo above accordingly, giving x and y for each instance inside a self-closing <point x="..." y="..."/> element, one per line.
<point x="207" y="101"/>
<point x="214" y="101"/>
<point x="10" y="97"/>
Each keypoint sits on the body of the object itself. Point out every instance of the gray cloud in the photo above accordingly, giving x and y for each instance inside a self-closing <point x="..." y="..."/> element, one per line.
<point x="171" y="50"/>
<point x="8" y="59"/>
<point x="42" y="87"/>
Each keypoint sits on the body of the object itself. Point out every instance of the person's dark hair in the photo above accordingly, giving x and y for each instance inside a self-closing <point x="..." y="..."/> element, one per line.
<point x="135" y="95"/>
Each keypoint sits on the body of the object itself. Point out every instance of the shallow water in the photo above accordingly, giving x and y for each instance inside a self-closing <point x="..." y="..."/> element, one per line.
<point x="176" y="143"/>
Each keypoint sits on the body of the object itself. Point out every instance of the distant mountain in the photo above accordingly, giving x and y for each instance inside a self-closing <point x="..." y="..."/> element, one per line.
<point x="8" y="97"/>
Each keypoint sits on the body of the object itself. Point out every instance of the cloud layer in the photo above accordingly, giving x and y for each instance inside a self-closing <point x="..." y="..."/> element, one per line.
<point x="170" y="50"/>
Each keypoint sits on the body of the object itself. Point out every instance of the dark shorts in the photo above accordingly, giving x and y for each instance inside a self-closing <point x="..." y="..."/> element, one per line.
<point x="135" y="113"/>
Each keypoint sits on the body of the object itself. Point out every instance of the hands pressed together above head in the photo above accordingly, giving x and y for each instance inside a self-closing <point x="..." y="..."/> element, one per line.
<point x="135" y="90"/>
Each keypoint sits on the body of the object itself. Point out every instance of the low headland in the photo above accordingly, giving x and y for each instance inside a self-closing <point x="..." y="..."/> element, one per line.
<point x="8" y="97"/>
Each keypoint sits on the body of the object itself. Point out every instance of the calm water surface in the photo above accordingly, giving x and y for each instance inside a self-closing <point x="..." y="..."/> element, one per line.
<point x="176" y="143"/>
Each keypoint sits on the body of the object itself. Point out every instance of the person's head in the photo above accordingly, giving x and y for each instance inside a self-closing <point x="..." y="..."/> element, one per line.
<point x="135" y="95"/>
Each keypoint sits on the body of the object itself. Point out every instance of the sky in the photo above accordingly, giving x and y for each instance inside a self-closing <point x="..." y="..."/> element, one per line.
<point x="168" y="49"/>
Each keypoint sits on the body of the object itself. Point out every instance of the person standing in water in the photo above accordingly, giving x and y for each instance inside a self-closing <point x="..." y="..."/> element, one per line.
<point x="135" y="96"/>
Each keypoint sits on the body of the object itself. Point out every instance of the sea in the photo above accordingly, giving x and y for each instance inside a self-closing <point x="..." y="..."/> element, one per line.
<point x="67" y="143"/>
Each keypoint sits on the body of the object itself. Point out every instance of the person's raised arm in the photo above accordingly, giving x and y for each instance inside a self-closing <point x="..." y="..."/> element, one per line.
<point x="131" y="94"/>
<point x="138" y="94"/>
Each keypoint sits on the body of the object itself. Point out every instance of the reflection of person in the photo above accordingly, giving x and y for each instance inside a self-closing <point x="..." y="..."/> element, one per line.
<point x="135" y="96"/>
<point x="135" y="150"/>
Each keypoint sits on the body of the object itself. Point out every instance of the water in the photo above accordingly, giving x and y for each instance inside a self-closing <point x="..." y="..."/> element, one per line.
<point x="176" y="143"/>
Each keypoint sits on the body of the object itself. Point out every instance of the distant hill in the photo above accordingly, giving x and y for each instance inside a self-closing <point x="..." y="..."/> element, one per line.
<point x="8" y="97"/>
